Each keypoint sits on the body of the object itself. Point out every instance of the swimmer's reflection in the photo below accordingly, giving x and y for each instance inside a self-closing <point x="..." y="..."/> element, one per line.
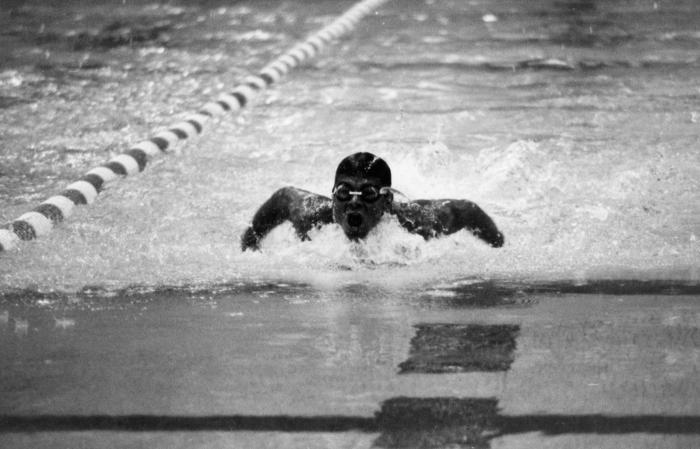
<point x="32" y="323"/>
<point x="583" y="26"/>
<point x="477" y="295"/>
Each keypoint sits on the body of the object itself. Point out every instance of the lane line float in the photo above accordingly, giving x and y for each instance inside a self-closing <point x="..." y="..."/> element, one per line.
<point x="43" y="218"/>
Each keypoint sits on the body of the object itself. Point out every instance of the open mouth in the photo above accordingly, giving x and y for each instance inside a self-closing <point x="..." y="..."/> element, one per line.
<point x="354" y="220"/>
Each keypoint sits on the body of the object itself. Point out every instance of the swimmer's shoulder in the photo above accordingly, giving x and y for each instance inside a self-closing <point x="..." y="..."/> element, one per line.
<point x="307" y="206"/>
<point x="291" y="194"/>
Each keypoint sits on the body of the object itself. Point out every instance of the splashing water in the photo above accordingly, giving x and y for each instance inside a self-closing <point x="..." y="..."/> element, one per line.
<point x="589" y="168"/>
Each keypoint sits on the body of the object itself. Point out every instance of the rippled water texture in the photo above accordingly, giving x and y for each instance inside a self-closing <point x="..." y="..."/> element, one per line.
<point x="573" y="123"/>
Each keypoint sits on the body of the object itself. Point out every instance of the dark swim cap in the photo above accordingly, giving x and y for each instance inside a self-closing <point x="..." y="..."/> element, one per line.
<point x="365" y="165"/>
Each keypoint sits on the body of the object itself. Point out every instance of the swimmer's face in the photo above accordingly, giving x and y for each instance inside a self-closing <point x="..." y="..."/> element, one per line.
<point x="358" y="213"/>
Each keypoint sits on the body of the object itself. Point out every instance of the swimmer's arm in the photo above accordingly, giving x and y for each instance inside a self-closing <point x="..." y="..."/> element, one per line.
<point x="431" y="218"/>
<point x="463" y="214"/>
<point x="304" y="209"/>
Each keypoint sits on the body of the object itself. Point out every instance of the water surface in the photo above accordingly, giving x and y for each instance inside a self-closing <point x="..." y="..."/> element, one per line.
<point x="574" y="124"/>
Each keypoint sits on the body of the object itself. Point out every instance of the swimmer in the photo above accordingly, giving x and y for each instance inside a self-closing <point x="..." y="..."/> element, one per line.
<point x="361" y="195"/>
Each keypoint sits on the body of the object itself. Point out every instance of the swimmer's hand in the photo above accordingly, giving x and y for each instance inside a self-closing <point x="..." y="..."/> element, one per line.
<point x="250" y="240"/>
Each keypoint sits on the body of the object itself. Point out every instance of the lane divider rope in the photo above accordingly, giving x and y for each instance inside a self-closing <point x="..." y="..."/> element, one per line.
<point x="42" y="219"/>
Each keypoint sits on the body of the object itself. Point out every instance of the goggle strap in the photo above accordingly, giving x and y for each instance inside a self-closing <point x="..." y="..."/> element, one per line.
<point x="385" y="190"/>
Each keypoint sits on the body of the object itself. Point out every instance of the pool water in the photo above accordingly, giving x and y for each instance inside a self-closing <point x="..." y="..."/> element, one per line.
<point x="460" y="365"/>
<point x="574" y="124"/>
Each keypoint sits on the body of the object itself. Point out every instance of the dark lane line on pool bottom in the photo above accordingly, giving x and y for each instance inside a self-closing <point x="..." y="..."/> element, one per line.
<point x="447" y="419"/>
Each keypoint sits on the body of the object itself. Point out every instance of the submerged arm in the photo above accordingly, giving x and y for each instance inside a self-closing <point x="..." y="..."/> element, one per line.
<point x="304" y="209"/>
<point x="431" y="218"/>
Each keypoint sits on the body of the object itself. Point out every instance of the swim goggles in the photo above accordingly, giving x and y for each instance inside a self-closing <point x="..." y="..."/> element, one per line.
<point x="368" y="194"/>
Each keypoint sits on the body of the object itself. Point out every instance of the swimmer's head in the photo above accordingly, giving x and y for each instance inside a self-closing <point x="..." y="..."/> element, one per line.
<point x="361" y="194"/>
<point x="365" y="165"/>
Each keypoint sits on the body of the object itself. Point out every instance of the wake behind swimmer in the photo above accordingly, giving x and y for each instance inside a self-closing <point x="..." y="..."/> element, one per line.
<point x="361" y="195"/>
